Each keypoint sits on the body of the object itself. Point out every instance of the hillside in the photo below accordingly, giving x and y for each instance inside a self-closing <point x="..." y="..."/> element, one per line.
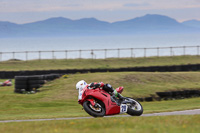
<point x="59" y="26"/>
<point x="192" y="23"/>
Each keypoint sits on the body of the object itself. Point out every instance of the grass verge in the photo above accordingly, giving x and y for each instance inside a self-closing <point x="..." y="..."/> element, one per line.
<point x="96" y="63"/>
<point x="59" y="98"/>
<point x="155" y="124"/>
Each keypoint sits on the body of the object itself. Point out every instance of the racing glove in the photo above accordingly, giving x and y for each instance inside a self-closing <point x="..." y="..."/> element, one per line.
<point x="94" y="86"/>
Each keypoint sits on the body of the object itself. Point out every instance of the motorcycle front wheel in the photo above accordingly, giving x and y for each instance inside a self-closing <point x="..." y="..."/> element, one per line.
<point x="135" y="109"/>
<point x="98" y="111"/>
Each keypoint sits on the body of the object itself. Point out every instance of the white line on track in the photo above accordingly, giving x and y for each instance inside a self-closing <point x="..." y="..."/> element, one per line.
<point x="185" y="112"/>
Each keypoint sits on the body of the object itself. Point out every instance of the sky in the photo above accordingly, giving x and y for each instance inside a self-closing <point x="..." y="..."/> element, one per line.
<point x="25" y="11"/>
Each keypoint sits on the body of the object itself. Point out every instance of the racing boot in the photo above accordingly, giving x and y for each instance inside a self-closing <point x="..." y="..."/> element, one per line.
<point x="118" y="95"/>
<point x="115" y="99"/>
<point x="121" y="97"/>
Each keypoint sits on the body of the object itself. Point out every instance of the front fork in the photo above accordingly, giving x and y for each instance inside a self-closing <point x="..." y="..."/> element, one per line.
<point x="91" y="101"/>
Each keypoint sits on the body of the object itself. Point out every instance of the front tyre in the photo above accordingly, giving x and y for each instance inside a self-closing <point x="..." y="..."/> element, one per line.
<point x="98" y="111"/>
<point x="135" y="109"/>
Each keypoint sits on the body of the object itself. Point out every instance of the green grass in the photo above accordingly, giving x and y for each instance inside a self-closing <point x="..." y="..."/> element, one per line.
<point x="155" y="124"/>
<point x="59" y="98"/>
<point x="98" y="63"/>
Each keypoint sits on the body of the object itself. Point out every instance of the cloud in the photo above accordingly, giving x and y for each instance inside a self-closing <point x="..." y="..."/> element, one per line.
<point x="73" y="5"/>
<point x="136" y="4"/>
<point x="92" y="5"/>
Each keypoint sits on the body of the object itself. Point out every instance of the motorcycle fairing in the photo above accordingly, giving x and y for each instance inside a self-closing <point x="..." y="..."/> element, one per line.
<point x="110" y="106"/>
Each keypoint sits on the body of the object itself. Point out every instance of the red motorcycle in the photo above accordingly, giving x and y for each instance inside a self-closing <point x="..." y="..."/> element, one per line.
<point x="99" y="103"/>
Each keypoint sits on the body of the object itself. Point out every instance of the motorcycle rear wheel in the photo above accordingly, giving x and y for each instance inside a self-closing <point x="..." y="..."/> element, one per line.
<point x="95" y="112"/>
<point x="135" y="109"/>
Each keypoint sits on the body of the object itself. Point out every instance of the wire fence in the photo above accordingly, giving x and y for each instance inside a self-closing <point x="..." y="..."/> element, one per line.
<point x="101" y="53"/>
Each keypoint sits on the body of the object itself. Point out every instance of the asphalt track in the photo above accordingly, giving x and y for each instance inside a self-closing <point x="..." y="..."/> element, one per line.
<point x="185" y="112"/>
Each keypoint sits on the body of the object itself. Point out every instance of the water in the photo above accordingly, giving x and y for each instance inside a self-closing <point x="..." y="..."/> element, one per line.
<point x="98" y="42"/>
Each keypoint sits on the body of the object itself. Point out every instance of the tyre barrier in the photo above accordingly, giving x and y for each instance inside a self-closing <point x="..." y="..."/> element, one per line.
<point x="148" y="99"/>
<point x="171" y="95"/>
<point x="32" y="83"/>
<point x="140" y="99"/>
<point x="178" y="94"/>
<point x="174" y="68"/>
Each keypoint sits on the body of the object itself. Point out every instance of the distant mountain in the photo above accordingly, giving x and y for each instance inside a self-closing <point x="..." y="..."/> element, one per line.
<point x="192" y="23"/>
<point x="148" y="24"/>
<point x="63" y="26"/>
<point x="8" y="29"/>
<point x="151" y="23"/>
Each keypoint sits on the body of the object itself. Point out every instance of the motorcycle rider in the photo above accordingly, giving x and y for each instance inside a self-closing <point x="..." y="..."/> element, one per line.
<point x="107" y="87"/>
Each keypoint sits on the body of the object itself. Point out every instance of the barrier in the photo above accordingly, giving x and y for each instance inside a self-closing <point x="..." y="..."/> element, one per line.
<point x="32" y="83"/>
<point x="171" y="95"/>
<point x="178" y="94"/>
<point x="101" y="53"/>
<point x="174" y="68"/>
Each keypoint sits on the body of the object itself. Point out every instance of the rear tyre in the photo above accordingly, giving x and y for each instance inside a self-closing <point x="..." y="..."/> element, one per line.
<point x="135" y="109"/>
<point x="95" y="112"/>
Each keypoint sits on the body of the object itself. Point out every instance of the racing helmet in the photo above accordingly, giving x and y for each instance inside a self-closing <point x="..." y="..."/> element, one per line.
<point x="81" y="84"/>
<point x="108" y="88"/>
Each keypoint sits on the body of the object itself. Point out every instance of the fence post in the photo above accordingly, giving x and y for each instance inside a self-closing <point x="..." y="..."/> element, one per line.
<point x="13" y="55"/>
<point x="39" y="55"/>
<point x="158" y="51"/>
<point x="79" y="54"/>
<point x="131" y="52"/>
<point x="53" y="55"/>
<point x="65" y="54"/>
<point x="0" y="56"/>
<point x="118" y="53"/>
<point x="26" y="55"/>
<point x="171" y="51"/>
<point x="144" y="52"/>
<point x="92" y="53"/>
<point x="105" y="53"/>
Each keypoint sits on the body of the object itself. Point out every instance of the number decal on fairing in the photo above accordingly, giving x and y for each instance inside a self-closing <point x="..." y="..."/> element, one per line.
<point x="123" y="108"/>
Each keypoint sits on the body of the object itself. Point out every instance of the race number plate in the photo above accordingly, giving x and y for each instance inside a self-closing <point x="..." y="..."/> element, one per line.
<point x="123" y="108"/>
